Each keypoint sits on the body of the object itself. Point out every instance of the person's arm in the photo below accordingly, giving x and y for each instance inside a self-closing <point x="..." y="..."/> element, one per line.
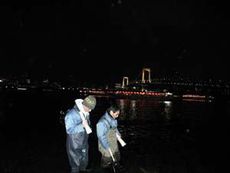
<point x="72" y="126"/>
<point x="101" y="134"/>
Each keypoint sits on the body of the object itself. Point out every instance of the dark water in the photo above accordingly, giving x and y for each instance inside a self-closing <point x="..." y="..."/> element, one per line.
<point x="161" y="137"/>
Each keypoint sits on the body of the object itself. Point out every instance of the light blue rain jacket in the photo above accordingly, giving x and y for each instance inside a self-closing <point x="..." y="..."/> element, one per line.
<point x="105" y="123"/>
<point x="73" y="122"/>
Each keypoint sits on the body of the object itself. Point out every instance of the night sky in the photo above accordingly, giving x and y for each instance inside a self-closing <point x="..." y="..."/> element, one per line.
<point x="98" y="40"/>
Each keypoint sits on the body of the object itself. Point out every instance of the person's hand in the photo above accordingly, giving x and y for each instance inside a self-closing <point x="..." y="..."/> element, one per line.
<point x="85" y="123"/>
<point x="115" y="163"/>
<point x="86" y="126"/>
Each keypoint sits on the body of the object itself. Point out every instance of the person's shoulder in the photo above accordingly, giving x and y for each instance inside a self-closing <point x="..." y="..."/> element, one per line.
<point x="102" y="117"/>
<point x="71" y="112"/>
<point x="100" y="121"/>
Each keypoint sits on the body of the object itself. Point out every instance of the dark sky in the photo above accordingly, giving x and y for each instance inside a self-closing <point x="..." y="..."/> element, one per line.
<point x="102" y="40"/>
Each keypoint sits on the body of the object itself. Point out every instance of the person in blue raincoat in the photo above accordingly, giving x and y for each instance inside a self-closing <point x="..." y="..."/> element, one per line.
<point x="107" y="132"/>
<point x="76" y="123"/>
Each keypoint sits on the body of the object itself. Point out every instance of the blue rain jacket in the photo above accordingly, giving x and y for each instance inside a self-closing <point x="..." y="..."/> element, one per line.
<point x="77" y="140"/>
<point x="105" y="123"/>
<point x="73" y="122"/>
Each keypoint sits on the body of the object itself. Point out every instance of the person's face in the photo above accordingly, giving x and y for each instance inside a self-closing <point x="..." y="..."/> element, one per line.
<point x="86" y="109"/>
<point x="115" y="114"/>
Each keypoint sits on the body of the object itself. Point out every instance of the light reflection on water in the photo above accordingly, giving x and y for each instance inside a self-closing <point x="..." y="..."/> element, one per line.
<point x="163" y="131"/>
<point x="159" y="134"/>
<point x="138" y="109"/>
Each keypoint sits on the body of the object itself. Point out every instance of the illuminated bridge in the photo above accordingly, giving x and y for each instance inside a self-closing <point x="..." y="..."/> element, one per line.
<point x="176" y="85"/>
<point x="163" y="88"/>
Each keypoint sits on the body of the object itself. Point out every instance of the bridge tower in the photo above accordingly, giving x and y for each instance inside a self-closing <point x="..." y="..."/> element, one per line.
<point x="125" y="81"/>
<point x="143" y="79"/>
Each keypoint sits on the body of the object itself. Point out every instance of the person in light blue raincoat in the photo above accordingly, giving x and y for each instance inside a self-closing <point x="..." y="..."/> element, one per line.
<point x="107" y="132"/>
<point x="76" y="122"/>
